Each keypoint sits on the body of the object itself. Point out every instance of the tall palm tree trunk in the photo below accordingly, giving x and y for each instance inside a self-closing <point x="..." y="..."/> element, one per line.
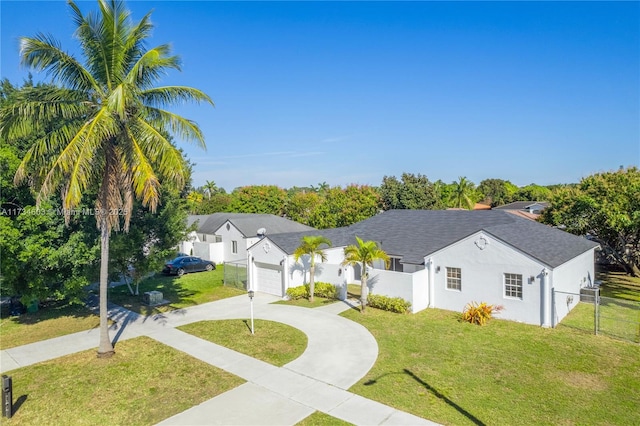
<point x="312" y="289"/>
<point x="105" y="349"/>
<point x="363" y="287"/>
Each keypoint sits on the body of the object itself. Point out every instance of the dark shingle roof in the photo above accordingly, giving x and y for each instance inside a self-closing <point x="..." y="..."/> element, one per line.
<point x="247" y="223"/>
<point x="414" y="234"/>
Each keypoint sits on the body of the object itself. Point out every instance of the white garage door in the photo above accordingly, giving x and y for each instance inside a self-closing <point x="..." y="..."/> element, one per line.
<point x="269" y="278"/>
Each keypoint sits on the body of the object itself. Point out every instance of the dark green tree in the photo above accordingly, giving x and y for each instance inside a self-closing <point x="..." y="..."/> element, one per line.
<point x="605" y="206"/>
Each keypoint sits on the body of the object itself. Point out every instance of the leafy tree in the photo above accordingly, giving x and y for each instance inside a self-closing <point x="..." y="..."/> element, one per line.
<point x="412" y="192"/>
<point x="497" y="192"/>
<point x="343" y="207"/>
<point x="606" y="206"/>
<point x="310" y="246"/>
<point x="463" y="194"/>
<point x="35" y="238"/>
<point x="219" y="202"/>
<point x="364" y="254"/>
<point x="259" y="199"/>
<point x="111" y="123"/>
<point x="533" y="192"/>
<point x="302" y="205"/>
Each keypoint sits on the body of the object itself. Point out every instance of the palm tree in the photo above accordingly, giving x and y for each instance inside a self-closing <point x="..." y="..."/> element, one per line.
<point x="112" y="132"/>
<point x="463" y="191"/>
<point x="310" y="246"/>
<point x="210" y="188"/>
<point x="364" y="254"/>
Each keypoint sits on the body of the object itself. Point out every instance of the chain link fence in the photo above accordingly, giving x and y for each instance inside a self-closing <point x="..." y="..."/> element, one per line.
<point x="235" y="274"/>
<point x="617" y="318"/>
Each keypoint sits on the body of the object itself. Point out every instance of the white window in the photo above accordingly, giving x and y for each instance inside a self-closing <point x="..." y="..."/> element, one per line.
<point x="234" y="247"/>
<point x="513" y="285"/>
<point x="454" y="279"/>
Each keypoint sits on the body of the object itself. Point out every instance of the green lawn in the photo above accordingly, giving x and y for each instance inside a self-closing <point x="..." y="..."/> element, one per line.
<point x="504" y="373"/>
<point x="619" y="285"/>
<point x="181" y="292"/>
<point x="144" y="383"/>
<point x="273" y="342"/>
<point x="321" y="419"/>
<point x="49" y="322"/>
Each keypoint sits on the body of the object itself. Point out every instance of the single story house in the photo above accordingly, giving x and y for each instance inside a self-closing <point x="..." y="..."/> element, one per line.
<point x="445" y="259"/>
<point x="225" y="237"/>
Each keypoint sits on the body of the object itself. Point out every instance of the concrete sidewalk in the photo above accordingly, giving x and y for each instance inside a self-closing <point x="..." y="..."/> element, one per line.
<point x="339" y="353"/>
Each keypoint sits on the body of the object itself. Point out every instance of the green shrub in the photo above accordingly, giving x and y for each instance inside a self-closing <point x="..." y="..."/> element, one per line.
<point x="321" y="289"/>
<point x="300" y="292"/>
<point x="392" y="304"/>
<point x="475" y="313"/>
<point x="326" y="290"/>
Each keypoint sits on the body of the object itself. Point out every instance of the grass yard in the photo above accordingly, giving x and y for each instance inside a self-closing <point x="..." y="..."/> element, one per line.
<point x="144" y="383"/>
<point x="181" y="292"/>
<point x="49" y="322"/>
<point x="321" y="419"/>
<point x="504" y="373"/>
<point x="273" y="342"/>
<point x="619" y="285"/>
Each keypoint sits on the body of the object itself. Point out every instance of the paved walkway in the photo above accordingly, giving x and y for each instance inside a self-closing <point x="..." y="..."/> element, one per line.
<point x="339" y="353"/>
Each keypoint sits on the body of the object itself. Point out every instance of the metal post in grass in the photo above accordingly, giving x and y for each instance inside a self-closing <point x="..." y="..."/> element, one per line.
<point x="596" y="310"/>
<point x="251" y="294"/>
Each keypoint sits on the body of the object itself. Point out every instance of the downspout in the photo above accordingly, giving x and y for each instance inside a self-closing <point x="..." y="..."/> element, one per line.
<point x="285" y="275"/>
<point x="545" y="282"/>
<point x="430" y="282"/>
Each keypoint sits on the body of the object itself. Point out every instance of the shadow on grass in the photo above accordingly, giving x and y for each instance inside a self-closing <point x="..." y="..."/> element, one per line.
<point x="434" y="391"/>
<point x="50" y="310"/>
<point x="16" y="405"/>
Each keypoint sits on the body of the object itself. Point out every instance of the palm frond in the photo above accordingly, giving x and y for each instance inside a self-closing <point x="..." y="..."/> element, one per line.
<point x="169" y="95"/>
<point x="153" y="64"/>
<point x="43" y="53"/>
<point x="179" y="126"/>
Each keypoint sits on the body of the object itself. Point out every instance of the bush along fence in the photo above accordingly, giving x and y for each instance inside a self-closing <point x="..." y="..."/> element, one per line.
<point x="329" y="291"/>
<point x="392" y="304"/>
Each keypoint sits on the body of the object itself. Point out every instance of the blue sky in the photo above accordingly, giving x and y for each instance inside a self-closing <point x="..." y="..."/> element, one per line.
<point x="348" y="92"/>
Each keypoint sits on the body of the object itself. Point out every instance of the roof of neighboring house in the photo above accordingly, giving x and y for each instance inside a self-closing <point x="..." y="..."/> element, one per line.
<point x="247" y="223"/>
<point x="414" y="234"/>
<point x="522" y="205"/>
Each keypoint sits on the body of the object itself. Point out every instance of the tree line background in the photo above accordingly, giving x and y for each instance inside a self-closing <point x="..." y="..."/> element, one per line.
<point x="42" y="257"/>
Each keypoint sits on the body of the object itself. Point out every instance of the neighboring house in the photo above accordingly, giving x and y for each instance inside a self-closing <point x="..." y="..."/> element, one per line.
<point x="446" y="259"/>
<point x="225" y="237"/>
<point x="526" y="209"/>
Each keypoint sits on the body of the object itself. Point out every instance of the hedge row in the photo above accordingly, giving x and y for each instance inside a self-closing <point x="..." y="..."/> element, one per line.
<point x="321" y="289"/>
<point x="392" y="304"/>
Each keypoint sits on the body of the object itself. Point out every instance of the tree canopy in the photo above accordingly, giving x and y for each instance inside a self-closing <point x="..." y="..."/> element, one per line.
<point x="606" y="207"/>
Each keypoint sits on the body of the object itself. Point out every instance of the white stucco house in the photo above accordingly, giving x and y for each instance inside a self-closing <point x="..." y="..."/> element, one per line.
<point x="225" y="237"/>
<point x="446" y="259"/>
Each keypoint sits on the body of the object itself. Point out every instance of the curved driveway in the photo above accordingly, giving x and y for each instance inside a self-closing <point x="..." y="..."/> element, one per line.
<point x="339" y="351"/>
